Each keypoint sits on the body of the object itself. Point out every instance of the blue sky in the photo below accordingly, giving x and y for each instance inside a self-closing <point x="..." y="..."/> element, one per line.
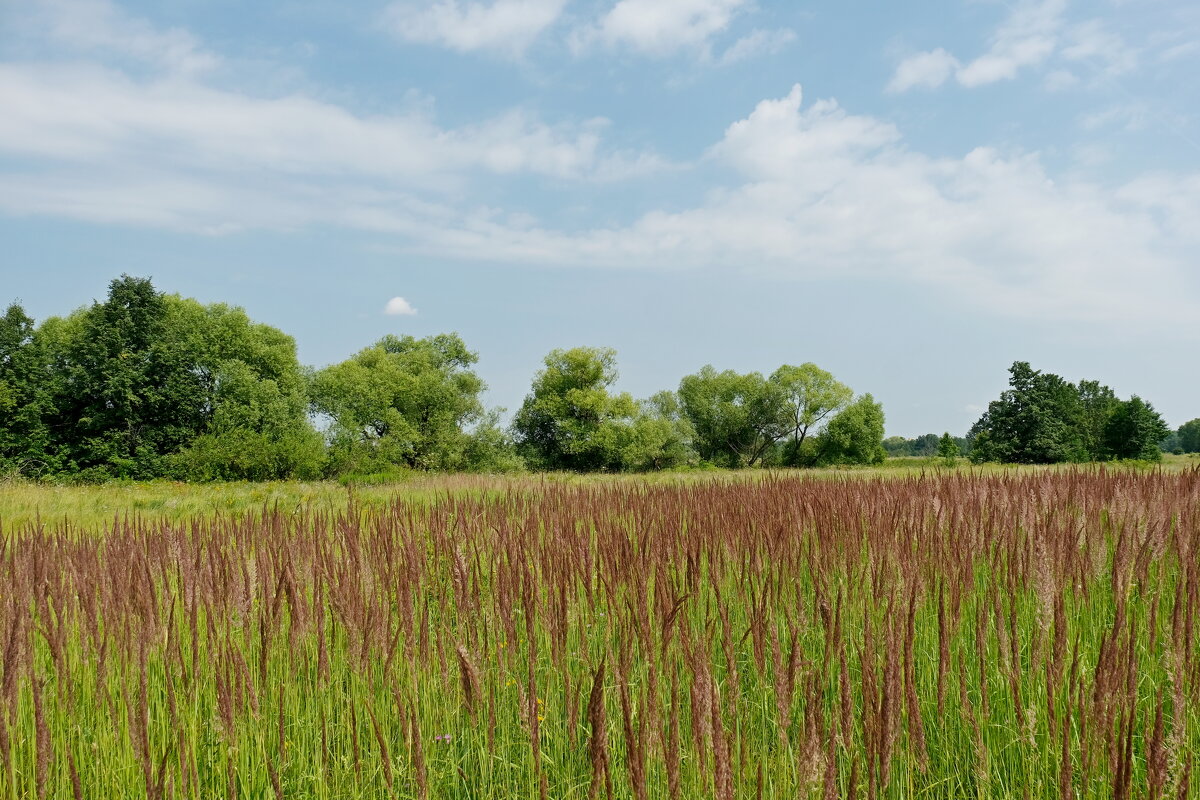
<point x="911" y="195"/>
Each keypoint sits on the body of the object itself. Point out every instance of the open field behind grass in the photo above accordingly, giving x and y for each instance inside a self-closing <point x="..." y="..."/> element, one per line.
<point x="93" y="506"/>
<point x="986" y="634"/>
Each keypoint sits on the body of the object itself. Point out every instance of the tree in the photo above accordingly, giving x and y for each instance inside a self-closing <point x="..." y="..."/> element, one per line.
<point x="1134" y="430"/>
<point x="659" y="436"/>
<point x="948" y="449"/>
<point x="402" y="401"/>
<point x="737" y="418"/>
<point x="251" y="397"/>
<point x="1036" y="421"/>
<point x="1096" y="404"/>
<point x="854" y="436"/>
<point x="125" y="392"/>
<point x="811" y="395"/>
<point x="24" y="401"/>
<point x="569" y="421"/>
<point x="1189" y="436"/>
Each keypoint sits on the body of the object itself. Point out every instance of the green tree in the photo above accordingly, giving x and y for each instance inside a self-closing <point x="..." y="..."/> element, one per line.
<point x="948" y="449"/>
<point x="125" y="392"/>
<point x="737" y="418"/>
<point x="854" y="436"/>
<point x="659" y="436"/>
<point x="251" y="398"/>
<point x="403" y="401"/>
<point x="1189" y="436"/>
<point x="569" y="420"/>
<point x="1036" y="421"/>
<point x="24" y="399"/>
<point x="1096" y="404"/>
<point x="1134" y="430"/>
<point x="811" y="395"/>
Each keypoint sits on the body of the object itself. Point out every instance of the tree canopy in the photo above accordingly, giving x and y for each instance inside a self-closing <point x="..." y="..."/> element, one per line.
<point x="1044" y="419"/>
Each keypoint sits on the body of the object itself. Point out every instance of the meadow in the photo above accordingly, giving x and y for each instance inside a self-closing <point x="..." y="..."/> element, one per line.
<point x="911" y="632"/>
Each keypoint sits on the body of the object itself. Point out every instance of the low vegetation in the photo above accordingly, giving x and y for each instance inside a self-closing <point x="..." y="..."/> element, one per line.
<point x="1026" y="633"/>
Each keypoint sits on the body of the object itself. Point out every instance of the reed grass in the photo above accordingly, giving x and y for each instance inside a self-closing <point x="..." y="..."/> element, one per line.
<point x="1010" y="634"/>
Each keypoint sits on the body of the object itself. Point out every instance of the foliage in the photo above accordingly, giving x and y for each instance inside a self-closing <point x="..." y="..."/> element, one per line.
<point x="24" y="403"/>
<point x="569" y="420"/>
<point x="811" y="394"/>
<point x="854" y="436"/>
<point x="1034" y="422"/>
<point x="1133" y="430"/>
<point x="148" y="385"/>
<point x="737" y="418"/>
<point x="402" y="401"/>
<point x="1189" y="436"/>
<point x="1043" y="419"/>
<point x="948" y="449"/>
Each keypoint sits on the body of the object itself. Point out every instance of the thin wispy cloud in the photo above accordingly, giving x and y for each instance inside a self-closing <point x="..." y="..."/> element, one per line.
<point x="506" y="27"/>
<point x="659" y="27"/>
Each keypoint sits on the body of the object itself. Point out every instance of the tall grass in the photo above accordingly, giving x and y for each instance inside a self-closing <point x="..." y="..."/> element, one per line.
<point x="1010" y="635"/>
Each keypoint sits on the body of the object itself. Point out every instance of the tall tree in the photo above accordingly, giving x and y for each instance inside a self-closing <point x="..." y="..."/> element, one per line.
<point x="737" y="418"/>
<point x="569" y="420"/>
<point x="24" y="397"/>
<point x="812" y="395"/>
<point x="1036" y="421"/>
<point x="251" y="401"/>
<point x="1189" y="436"/>
<point x="1096" y="404"/>
<point x="127" y="394"/>
<point x="403" y="401"/>
<point x="1134" y="430"/>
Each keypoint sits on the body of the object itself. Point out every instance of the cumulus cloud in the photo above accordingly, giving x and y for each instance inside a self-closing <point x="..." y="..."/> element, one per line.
<point x="926" y="70"/>
<point x="660" y="27"/>
<point x="811" y="190"/>
<point x="399" y="307"/>
<point x="508" y="27"/>
<point x="826" y="193"/>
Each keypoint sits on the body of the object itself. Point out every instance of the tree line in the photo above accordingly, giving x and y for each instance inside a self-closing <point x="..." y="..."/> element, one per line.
<point x="148" y="385"/>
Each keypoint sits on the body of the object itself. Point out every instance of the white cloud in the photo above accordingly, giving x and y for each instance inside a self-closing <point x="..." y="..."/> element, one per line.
<point x="1091" y="42"/>
<point x="829" y="194"/>
<point x="98" y="26"/>
<point x="757" y="43"/>
<point x="1027" y="38"/>
<point x="504" y="26"/>
<point x="926" y="70"/>
<point x="660" y="27"/>
<point x="1034" y="33"/>
<point x="89" y="113"/>
<point x="1059" y="80"/>
<point x="399" y="307"/>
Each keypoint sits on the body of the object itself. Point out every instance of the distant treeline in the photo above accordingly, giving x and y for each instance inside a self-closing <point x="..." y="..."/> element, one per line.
<point x="149" y="385"/>
<point x="926" y="446"/>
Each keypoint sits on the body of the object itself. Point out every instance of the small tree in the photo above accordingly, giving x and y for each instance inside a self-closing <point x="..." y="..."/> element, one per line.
<point x="569" y="420"/>
<point x="855" y="436"/>
<point x="948" y="449"/>
<point x="1134" y="430"/>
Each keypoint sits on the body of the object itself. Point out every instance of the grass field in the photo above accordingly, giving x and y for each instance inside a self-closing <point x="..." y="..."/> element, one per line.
<point x="910" y="632"/>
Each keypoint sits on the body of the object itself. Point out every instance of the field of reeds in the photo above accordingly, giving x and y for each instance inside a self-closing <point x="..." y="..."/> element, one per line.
<point x="949" y="636"/>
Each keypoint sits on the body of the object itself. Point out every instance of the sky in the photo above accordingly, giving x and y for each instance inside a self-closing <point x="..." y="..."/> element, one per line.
<point x="911" y="195"/>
